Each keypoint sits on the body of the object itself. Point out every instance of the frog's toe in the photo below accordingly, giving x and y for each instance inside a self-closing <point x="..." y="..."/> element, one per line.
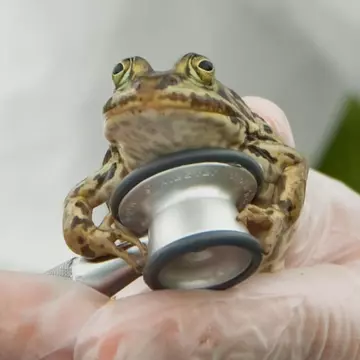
<point x="130" y="240"/>
<point x="114" y="243"/>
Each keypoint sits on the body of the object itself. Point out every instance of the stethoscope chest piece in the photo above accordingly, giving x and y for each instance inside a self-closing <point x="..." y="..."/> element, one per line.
<point x="186" y="204"/>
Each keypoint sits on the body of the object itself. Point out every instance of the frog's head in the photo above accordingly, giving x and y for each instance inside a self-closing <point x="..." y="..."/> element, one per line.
<point x="155" y="113"/>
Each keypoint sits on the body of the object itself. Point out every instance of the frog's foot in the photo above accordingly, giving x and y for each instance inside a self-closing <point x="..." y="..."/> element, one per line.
<point x="107" y="223"/>
<point x="115" y="242"/>
<point x="268" y="226"/>
<point x="93" y="242"/>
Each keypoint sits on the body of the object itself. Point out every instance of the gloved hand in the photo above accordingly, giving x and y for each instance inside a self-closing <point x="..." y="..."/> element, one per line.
<point x="308" y="311"/>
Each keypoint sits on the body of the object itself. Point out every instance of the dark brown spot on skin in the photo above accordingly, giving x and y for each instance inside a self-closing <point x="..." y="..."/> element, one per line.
<point x="121" y="102"/>
<point x="269" y="211"/>
<point x="221" y="91"/>
<point x="87" y="252"/>
<point x="264" y="137"/>
<point x="84" y="209"/>
<point x="257" y="151"/>
<point x="286" y="205"/>
<point x="187" y="69"/>
<point x="236" y="95"/>
<point x="107" y="157"/>
<point x="91" y="192"/>
<point x="77" y="189"/>
<point x="258" y="118"/>
<point x="166" y="81"/>
<point x="251" y="137"/>
<point x="174" y="96"/>
<point x="75" y="222"/>
<point x="111" y="172"/>
<point x="244" y="109"/>
<point x="100" y="179"/>
<point x="86" y="223"/>
<point x="234" y="119"/>
<point x="81" y="240"/>
<point x="291" y="156"/>
<point x="202" y="103"/>
<point x="267" y="129"/>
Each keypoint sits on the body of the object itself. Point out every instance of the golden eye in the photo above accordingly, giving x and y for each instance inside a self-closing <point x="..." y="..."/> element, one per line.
<point x="206" y="65"/>
<point x="118" y="73"/>
<point x="205" y="71"/>
<point x="118" y="68"/>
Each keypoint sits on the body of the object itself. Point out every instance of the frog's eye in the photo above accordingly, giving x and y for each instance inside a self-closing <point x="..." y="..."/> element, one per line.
<point x="119" y="71"/>
<point x="205" y="71"/>
<point x="206" y="65"/>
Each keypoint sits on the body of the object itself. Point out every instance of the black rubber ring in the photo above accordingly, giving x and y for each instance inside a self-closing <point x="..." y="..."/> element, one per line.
<point x="181" y="158"/>
<point x="198" y="242"/>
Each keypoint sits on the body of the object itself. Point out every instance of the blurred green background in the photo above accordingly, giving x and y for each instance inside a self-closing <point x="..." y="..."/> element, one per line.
<point x="341" y="157"/>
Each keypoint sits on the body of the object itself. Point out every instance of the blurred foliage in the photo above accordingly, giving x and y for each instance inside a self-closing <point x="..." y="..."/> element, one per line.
<point x="341" y="158"/>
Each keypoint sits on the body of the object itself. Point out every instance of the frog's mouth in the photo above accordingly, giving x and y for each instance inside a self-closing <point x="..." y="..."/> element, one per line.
<point x="193" y="102"/>
<point x="145" y="133"/>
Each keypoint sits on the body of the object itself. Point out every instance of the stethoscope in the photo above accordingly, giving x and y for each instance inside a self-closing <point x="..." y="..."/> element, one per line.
<point x="184" y="207"/>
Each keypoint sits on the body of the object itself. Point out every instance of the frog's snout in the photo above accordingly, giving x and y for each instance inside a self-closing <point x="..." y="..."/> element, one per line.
<point x="155" y="82"/>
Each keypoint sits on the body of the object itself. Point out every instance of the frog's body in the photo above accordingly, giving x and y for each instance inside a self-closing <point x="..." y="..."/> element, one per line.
<point x="156" y="113"/>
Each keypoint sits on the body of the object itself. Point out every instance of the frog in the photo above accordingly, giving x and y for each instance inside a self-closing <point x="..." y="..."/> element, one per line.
<point x="154" y="113"/>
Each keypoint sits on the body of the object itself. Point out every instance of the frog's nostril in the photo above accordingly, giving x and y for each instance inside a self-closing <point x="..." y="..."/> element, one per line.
<point x="155" y="82"/>
<point x="166" y="81"/>
<point x="145" y="84"/>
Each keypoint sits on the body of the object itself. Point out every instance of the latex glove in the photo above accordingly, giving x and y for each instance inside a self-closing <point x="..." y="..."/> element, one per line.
<point x="308" y="311"/>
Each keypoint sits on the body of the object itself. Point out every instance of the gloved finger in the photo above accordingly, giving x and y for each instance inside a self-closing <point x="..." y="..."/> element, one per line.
<point x="328" y="230"/>
<point x="40" y="316"/>
<point x="298" y="314"/>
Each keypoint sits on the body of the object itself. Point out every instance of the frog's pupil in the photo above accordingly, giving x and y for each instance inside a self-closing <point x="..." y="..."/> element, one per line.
<point x="118" y="68"/>
<point x="206" y="65"/>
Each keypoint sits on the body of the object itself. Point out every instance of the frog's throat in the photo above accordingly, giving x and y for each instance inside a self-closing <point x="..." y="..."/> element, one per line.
<point x="144" y="135"/>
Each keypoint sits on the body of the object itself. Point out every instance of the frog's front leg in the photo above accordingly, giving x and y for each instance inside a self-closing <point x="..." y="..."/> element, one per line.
<point x="80" y="233"/>
<point x="271" y="217"/>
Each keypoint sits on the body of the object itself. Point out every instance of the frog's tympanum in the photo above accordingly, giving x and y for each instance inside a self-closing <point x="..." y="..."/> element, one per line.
<point x="151" y="114"/>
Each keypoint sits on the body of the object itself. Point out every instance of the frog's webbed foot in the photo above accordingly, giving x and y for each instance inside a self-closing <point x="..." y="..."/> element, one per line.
<point x="92" y="242"/>
<point x="114" y="242"/>
<point x="109" y="224"/>
<point x="269" y="226"/>
<point x="81" y="234"/>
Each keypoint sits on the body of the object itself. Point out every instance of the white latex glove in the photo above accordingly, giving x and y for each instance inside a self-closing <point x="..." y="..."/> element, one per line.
<point x="308" y="311"/>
